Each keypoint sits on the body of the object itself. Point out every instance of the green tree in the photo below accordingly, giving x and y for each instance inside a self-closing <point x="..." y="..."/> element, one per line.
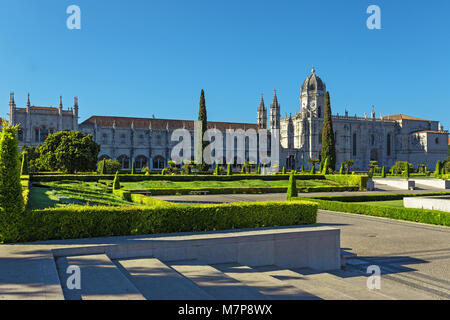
<point x="11" y="200"/>
<point x="292" y="187"/>
<point x="116" y="183"/>
<point x="69" y="151"/>
<point x="203" y="119"/>
<point x="341" y="170"/>
<point x="383" y="172"/>
<point x="25" y="169"/>
<point x="328" y="140"/>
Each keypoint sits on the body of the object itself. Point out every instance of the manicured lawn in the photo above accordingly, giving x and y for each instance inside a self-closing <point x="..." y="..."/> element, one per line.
<point x="63" y="193"/>
<point x="391" y="203"/>
<point x="161" y="184"/>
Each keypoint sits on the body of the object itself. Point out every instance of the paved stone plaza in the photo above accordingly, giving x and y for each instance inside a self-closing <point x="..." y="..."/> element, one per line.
<point x="414" y="260"/>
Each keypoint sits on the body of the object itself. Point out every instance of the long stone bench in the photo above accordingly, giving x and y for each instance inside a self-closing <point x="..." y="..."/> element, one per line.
<point x="397" y="183"/>
<point x="314" y="247"/>
<point x="434" y="183"/>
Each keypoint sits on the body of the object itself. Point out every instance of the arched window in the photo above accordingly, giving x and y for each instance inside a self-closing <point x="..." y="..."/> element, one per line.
<point x="388" y="142"/>
<point x="158" y="162"/>
<point x="140" y="162"/>
<point x="43" y="134"/>
<point x="354" y="144"/>
<point x="124" y="161"/>
<point x="20" y="134"/>
<point x="104" y="138"/>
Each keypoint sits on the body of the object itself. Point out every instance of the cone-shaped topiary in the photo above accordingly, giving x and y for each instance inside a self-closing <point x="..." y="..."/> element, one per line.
<point x="217" y="170"/>
<point x="303" y="168"/>
<point x="116" y="183"/>
<point x="133" y="170"/>
<point x="406" y="171"/>
<point x="103" y="167"/>
<point x="341" y="170"/>
<point x="243" y="169"/>
<point x="437" y="171"/>
<point x="325" y="167"/>
<point x="313" y="170"/>
<point x="11" y="200"/>
<point x="229" y="171"/>
<point x="383" y="172"/>
<point x="283" y="171"/>
<point x="24" y="170"/>
<point x="292" y="187"/>
<point x="259" y="169"/>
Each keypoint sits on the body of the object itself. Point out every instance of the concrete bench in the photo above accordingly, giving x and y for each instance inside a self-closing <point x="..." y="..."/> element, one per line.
<point x="201" y="192"/>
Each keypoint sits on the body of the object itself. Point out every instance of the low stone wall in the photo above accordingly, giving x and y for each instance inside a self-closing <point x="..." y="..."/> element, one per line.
<point x="397" y="183"/>
<point x="431" y="203"/>
<point x="434" y="183"/>
<point x="289" y="247"/>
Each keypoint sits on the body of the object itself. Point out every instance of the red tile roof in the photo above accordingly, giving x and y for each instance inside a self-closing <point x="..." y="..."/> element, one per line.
<point x="144" y="123"/>
<point x="402" y="117"/>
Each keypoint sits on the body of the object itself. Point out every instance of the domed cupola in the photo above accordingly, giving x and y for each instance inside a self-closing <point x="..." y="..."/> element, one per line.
<point x="312" y="96"/>
<point x="313" y="82"/>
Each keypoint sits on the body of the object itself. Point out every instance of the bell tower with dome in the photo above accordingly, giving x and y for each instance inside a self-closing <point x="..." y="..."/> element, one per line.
<point x="312" y="96"/>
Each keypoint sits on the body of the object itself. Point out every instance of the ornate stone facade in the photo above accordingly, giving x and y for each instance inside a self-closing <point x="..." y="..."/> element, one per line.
<point x="148" y="141"/>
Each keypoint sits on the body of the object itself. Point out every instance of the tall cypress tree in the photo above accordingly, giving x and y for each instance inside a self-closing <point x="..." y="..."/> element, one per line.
<point x="203" y="119"/>
<point x="328" y="141"/>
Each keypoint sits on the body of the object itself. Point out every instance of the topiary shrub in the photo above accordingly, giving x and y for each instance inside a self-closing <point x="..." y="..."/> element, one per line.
<point x="292" y="187"/>
<point x="283" y="171"/>
<point x="11" y="199"/>
<point x="25" y="169"/>
<point x="229" y="171"/>
<point x="405" y="173"/>
<point x="116" y="183"/>
<point x="133" y="170"/>
<point x="383" y="172"/>
<point x="259" y="169"/>
<point x="341" y="170"/>
<point x="437" y="171"/>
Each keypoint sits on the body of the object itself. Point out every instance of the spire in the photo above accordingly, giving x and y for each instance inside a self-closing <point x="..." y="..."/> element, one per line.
<point x="60" y="102"/>
<point x="313" y="70"/>
<point x="373" y="111"/>
<point x="261" y="104"/>
<point x="11" y="98"/>
<point x="132" y="125"/>
<point x="150" y="125"/>
<point x="75" y="102"/>
<point x="275" y="100"/>
<point x="28" y="101"/>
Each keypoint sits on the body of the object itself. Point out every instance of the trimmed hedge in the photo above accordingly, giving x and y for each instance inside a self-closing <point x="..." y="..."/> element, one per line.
<point x="142" y="177"/>
<point x="408" y="214"/>
<point x="349" y="180"/>
<point x="240" y="190"/>
<point x="83" y="221"/>
<point x="141" y="199"/>
<point x="25" y="182"/>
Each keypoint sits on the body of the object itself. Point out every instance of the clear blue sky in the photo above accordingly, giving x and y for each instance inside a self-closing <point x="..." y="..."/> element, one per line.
<point x="144" y="57"/>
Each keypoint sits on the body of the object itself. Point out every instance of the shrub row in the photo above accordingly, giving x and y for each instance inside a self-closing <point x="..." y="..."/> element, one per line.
<point x="240" y="190"/>
<point x="141" y="199"/>
<point x="408" y="214"/>
<point x="349" y="180"/>
<point x="136" y="178"/>
<point x="84" y="221"/>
